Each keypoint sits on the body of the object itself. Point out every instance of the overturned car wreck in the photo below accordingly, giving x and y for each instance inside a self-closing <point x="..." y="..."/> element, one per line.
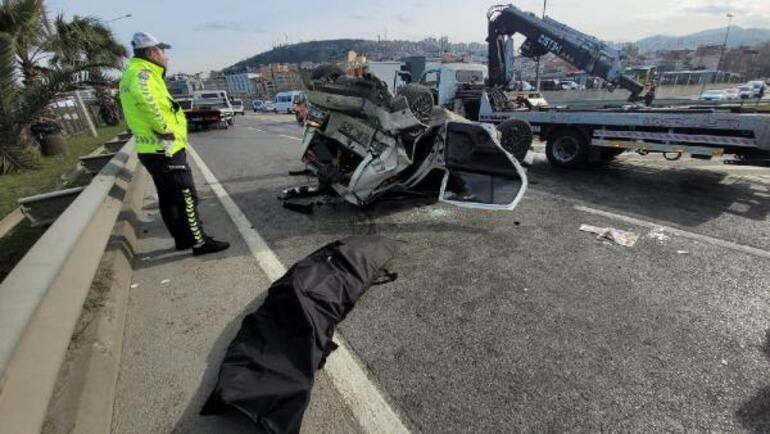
<point x="362" y="142"/>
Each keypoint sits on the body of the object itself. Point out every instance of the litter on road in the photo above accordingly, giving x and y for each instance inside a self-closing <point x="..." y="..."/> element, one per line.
<point x="269" y="367"/>
<point x="658" y="234"/>
<point x="620" y="237"/>
<point x="165" y="281"/>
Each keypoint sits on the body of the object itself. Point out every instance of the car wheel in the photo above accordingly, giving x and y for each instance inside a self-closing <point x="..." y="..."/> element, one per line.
<point x="516" y="137"/>
<point x="419" y="99"/>
<point x="568" y="148"/>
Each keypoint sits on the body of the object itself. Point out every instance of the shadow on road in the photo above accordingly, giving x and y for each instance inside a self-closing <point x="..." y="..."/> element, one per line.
<point x="754" y="414"/>
<point x="682" y="196"/>
<point x="191" y="422"/>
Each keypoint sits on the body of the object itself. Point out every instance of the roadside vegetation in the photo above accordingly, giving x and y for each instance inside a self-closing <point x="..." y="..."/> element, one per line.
<point x="42" y="58"/>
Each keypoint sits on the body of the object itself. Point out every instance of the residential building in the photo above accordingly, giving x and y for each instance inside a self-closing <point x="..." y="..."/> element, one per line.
<point x="240" y="82"/>
<point x="215" y="80"/>
<point x="183" y="84"/>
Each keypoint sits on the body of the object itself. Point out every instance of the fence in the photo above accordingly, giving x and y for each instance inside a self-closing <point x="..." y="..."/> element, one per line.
<point x="71" y="113"/>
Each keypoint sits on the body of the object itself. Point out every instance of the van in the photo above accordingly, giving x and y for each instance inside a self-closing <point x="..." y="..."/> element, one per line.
<point x="284" y="101"/>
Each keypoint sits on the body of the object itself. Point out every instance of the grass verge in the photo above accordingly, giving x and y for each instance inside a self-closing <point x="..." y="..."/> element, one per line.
<point x="54" y="172"/>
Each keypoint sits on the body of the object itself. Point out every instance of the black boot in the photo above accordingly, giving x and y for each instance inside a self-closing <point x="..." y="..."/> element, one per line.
<point x="210" y="246"/>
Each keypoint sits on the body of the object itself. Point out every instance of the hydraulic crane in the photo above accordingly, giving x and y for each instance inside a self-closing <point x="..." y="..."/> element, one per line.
<point x="550" y="36"/>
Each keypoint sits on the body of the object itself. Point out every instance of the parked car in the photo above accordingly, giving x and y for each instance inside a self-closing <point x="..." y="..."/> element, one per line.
<point x="258" y="106"/>
<point x="713" y="95"/>
<point x="237" y="105"/>
<point x="732" y="93"/>
<point x="745" y="91"/>
<point x="758" y="88"/>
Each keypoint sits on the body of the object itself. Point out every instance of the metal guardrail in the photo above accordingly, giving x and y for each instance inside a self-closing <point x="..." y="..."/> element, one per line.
<point x="41" y="299"/>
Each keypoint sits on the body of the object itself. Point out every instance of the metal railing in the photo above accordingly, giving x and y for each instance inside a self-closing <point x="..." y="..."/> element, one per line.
<point x="41" y="299"/>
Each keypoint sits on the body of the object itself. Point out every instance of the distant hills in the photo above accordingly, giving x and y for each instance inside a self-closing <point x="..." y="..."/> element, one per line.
<point x="738" y="37"/>
<point x="336" y="50"/>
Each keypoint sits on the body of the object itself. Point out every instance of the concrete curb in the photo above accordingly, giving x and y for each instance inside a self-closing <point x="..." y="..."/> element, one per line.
<point x="84" y="396"/>
<point x="9" y="222"/>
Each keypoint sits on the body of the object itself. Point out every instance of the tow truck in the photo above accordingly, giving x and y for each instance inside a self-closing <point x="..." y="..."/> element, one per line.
<point x="576" y="138"/>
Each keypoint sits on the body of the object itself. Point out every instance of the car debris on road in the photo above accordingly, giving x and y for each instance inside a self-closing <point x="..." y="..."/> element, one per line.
<point x="362" y="142"/>
<point x="620" y="237"/>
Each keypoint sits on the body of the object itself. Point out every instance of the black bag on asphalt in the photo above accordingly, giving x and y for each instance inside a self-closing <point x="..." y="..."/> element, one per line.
<point x="268" y="369"/>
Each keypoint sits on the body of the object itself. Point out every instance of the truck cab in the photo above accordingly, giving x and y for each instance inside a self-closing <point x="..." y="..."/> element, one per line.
<point x="447" y="78"/>
<point x="214" y="99"/>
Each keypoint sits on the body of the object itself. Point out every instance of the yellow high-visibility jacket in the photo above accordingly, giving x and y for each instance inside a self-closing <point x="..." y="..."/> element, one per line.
<point x="150" y="110"/>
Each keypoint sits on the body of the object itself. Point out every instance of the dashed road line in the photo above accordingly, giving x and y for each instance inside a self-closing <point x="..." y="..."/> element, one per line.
<point x="291" y="137"/>
<point x="682" y="233"/>
<point x="346" y="372"/>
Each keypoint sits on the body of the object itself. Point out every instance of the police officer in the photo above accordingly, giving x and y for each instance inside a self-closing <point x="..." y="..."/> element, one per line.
<point x="160" y="132"/>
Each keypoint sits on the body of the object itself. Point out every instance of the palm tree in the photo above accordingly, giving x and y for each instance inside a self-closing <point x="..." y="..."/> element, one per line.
<point x="38" y="61"/>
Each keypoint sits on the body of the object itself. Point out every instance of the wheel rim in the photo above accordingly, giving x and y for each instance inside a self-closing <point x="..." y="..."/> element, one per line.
<point x="565" y="149"/>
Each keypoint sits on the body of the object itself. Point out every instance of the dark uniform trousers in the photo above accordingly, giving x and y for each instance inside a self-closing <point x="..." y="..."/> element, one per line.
<point x="177" y="198"/>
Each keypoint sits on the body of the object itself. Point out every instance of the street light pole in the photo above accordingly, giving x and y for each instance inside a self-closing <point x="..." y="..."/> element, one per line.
<point x="537" y="67"/>
<point x="719" y="64"/>
<point x="724" y="44"/>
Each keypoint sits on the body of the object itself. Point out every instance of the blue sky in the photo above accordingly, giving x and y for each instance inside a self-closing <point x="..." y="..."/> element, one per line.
<point x="208" y="37"/>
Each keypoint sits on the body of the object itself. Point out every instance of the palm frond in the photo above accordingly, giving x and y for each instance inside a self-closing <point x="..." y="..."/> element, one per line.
<point x="15" y="146"/>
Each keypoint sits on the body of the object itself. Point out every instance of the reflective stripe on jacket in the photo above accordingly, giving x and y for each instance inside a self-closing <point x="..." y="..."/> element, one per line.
<point x="150" y="110"/>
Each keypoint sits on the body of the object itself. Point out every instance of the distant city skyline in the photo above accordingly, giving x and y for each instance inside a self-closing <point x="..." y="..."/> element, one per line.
<point x="205" y="37"/>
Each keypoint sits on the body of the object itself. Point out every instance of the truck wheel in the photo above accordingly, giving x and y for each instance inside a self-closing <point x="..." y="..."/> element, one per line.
<point x="567" y="147"/>
<point x="516" y="137"/>
<point x="420" y="100"/>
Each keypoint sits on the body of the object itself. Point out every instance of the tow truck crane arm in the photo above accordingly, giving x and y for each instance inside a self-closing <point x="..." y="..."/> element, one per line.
<point x="550" y="36"/>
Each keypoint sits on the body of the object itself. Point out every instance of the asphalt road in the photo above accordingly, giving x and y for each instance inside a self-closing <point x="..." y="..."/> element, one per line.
<point x="517" y="321"/>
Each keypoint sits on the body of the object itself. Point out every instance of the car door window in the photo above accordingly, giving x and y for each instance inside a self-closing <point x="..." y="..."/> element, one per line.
<point x="479" y="173"/>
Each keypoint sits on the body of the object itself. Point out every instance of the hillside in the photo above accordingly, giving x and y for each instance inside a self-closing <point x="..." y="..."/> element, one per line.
<point x="337" y="50"/>
<point x="738" y="37"/>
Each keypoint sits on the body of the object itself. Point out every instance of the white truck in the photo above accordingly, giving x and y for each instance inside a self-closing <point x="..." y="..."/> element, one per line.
<point x="214" y="99"/>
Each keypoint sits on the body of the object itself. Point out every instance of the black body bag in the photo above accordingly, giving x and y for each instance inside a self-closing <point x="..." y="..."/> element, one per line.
<point x="268" y="369"/>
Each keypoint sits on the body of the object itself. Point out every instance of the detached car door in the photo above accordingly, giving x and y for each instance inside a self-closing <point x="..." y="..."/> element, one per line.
<point x="479" y="172"/>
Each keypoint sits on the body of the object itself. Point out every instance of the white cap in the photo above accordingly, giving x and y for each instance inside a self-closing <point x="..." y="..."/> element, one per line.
<point x="146" y="40"/>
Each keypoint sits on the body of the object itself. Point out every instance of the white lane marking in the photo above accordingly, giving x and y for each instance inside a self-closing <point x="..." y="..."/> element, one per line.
<point x="257" y="129"/>
<point x="291" y="137"/>
<point x="348" y="375"/>
<point x="685" y="234"/>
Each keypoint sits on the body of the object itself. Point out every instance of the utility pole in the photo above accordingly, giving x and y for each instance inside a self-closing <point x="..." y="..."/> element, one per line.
<point x="719" y="64"/>
<point x="724" y="44"/>
<point x="537" y="66"/>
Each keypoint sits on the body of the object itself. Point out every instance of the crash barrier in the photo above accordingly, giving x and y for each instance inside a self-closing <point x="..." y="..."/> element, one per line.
<point x="42" y="298"/>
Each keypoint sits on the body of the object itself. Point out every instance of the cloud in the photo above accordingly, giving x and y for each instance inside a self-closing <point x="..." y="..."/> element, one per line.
<point x="719" y="9"/>
<point x="361" y="17"/>
<point x="228" y="26"/>
<point x="402" y="19"/>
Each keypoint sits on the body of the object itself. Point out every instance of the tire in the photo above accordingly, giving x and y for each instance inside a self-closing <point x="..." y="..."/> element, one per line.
<point x="231" y="121"/>
<point x="328" y="72"/>
<point x="567" y="148"/>
<point x="419" y="99"/>
<point x="516" y="137"/>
